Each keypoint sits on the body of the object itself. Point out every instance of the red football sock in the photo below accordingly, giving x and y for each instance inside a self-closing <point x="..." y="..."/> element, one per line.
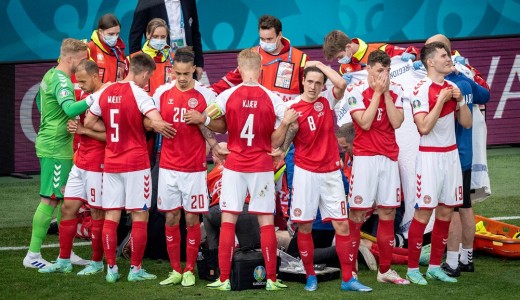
<point x="346" y="258"/>
<point x="306" y="248"/>
<point x="97" y="242"/>
<point x="385" y="242"/>
<point x="439" y="240"/>
<point x="269" y="249"/>
<point x="68" y="229"/>
<point x="226" y="247"/>
<point x="355" y="235"/>
<point x="138" y="242"/>
<point x="109" y="235"/>
<point x="173" y="245"/>
<point x="192" y="246"/>
<point x="415" y="240"/>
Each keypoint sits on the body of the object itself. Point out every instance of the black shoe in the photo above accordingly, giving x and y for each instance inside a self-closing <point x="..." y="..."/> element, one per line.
<point x="449" y="271"/>
<point x="466" y="267"/>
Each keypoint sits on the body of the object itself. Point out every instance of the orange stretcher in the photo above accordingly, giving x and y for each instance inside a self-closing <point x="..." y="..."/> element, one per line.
<point x="497" y="237"/>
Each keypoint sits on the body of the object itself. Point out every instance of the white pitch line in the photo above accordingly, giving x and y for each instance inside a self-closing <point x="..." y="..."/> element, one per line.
<point x="43" y="246"/>
<point x="506" y="218"/>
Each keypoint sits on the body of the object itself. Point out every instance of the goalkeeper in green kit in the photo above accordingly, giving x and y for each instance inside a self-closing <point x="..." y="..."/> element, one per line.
<point x="57" y="104"/>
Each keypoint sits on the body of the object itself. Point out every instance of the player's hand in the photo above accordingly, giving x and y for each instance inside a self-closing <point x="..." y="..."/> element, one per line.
<point x="199" y="71"/>
<point x="380" y="82"/>
<point x="277" y="154"/>
<point x="313" y="63"/>
<point x="417" y="65"/>
<point x="220" y="152"/>
<point x="164" y="128"/>
<point x="348" y="77"/>
<point x="72" y="126"/>
<point x="446" y="94"/>
<point x="457" y="94"/>
<point x="290" y="116"/>
<point x="194" y="117"/>
<point x="407" y="56"/>
<point x="460" y="59"/>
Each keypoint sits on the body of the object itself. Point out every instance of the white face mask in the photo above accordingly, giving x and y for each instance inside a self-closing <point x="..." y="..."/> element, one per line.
<point x="345" y="60"/>
<point x="157" y="44"/>
<point x="268" y="47"/>
<point x="110" y="40"/>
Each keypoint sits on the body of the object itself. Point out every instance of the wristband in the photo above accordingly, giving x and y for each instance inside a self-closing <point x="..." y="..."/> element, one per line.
<point x="461" y="104"/>
<point x="208" y="120"/>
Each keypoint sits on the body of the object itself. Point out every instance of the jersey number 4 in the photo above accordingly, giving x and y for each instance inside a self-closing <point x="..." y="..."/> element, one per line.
<point x="247" y="130"/>
<point x="114" y="136"/>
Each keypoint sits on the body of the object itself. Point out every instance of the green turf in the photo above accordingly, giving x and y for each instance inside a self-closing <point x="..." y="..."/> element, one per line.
<point x="496" y="278"/>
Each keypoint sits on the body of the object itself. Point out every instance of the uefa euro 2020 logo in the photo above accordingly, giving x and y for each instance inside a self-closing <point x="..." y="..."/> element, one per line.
<point x="259" y="274"/>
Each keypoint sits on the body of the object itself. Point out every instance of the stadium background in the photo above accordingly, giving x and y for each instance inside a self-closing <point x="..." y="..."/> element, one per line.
<point x="486" y="32"/>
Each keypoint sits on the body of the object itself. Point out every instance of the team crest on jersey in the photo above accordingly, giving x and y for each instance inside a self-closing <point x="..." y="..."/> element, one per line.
<point x="64" y="93"/>
<point x="192" y="103"/>
<point x="297" y="212"/>
<point x="427" y="199"/>
<point x="318" y="106"/>
<point x="351" y="100"/>
<point x="416" y="103"/>
<point x="358" y="199"/>
<point x="100" y="56"/>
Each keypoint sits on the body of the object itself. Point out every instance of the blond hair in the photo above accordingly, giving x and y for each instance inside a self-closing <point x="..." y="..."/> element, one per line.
<point x="249" y="59"/>
<point x="71" y="46"/>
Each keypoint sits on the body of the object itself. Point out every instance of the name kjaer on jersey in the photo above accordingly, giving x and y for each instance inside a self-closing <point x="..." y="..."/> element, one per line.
<point x="249" y="103"/>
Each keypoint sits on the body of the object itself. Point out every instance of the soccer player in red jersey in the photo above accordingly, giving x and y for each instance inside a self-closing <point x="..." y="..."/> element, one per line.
<point x="255" y="120"/>
<point x="436" y="103"/>
<point x="126" y="179"/>
<point x="376" y="107"/>
<point x="182" y="179"/>
<point x="84" y="182"/>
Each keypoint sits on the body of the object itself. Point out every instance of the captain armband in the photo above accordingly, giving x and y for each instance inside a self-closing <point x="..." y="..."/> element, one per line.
<point x="213" y="111"/>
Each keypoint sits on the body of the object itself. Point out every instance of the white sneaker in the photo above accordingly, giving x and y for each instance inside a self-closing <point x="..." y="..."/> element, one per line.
<point x="370" y="260"/>
<point x="78" y="261"/>
<point x="391" y="276"/>
<point x="34" y="261"/>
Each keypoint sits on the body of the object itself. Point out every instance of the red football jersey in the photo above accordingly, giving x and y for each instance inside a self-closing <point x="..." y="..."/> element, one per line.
<point x="380" y="139"/>
<point x="91" y="152"/>
<point x="442" y="136"/>
<point x="122" y="106"/>
<point x="315" y="145"/>
<point x="252" y="114"/>
<point x="186" y="152"/>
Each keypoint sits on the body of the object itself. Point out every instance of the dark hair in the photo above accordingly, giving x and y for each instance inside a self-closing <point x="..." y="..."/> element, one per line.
<point x="378" y="56"/>
<point x="314" y="69"/>
<point x="335" y="42"/>
<point x="108" y="21"/>
<point x="184" y="55"/>
<point x="89" y="66"/>
<point x="346" y="131"/>
<point x="429" y="49"/>
<point x="141" y="62"/>
<point x="268" y="22"/>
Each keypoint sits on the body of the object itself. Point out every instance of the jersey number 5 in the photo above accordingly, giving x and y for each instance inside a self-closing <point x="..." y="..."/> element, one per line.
<point x="114" y="137"/>
<point x="247" y="131"/>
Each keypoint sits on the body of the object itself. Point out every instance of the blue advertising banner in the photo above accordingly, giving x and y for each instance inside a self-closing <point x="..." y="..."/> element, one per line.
<point x="32" y="30"/>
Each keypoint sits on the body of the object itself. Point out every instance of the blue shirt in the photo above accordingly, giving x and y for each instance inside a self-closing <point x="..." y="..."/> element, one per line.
<point x="473" y="94"/>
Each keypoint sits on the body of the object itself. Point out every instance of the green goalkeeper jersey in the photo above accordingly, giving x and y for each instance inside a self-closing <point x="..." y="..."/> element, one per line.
<point x="53" y="139"/>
